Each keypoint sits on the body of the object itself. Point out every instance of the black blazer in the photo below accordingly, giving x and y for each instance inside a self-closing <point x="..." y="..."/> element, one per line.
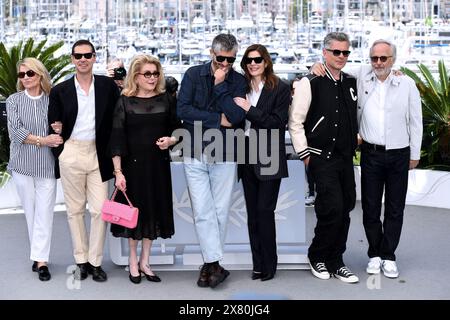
<point x="63" y="106"/>
<point x="271" y="112"/>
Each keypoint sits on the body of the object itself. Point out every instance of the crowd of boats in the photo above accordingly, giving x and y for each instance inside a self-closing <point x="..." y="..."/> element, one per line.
<point x="294" y="44"/>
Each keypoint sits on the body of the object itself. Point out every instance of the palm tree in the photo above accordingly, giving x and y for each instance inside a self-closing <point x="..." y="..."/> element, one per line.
<point x="56" y="66"/>
<point x="436" y="115"/>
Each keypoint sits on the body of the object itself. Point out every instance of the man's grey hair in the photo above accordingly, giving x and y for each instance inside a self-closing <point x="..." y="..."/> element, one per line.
<point x="337" y="36"/>
<point x="390" y="44"/>
<point x="115" y="59"/>
<point x="225" y="42"/>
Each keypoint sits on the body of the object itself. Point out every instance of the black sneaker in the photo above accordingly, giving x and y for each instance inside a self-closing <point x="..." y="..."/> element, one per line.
<point x="344" y="274"/>
<point x="319" y="270"/>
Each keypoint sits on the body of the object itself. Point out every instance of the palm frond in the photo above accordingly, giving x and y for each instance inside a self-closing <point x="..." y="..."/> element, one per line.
<point x="436" y="115"/>
<point x="429" y="79"/>
<point x="26" y="52"/>
<point x="36" y="50"/>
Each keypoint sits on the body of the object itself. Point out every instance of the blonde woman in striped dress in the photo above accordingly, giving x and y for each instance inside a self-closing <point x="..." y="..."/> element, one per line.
<point x="31" y="161"/>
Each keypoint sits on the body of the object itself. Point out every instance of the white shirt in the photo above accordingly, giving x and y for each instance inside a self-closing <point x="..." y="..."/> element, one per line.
<point x="84" y="128"/>
<point x="253" y="97"/>
<point x="372" y="120"/>
<point x="402" y="109"/>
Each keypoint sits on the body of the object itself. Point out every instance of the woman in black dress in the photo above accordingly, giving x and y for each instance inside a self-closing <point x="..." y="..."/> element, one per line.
<point x="144" y="118"/>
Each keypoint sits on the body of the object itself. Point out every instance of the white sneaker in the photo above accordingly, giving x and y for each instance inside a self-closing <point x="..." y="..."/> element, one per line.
<point x="374" y="265"/>
<point x="389" y="268"/>
<point x="309" y="200"/>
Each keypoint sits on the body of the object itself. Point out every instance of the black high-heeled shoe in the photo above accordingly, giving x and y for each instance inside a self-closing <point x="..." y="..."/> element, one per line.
<point x="134" y="279"/>
<point x="257" y="275"/>
<point x="152" y="278"/>
<point x="268" y="276"/>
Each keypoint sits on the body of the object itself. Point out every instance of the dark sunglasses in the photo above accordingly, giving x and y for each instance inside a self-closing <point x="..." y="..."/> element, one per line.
<point x="222" y="59"/>
<point x="88" y="55"/>
<point x="257" y="60"/>
<point x="29" y="73"/>
<point x="337" y="53"/>
<point x="149" y="74"/>
<point x="382" y="58"/>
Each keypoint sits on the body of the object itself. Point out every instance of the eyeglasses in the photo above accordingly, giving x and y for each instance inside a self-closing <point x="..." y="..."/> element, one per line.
<point x="382" y="58"/>
<point x="149" y="74"/>
<point x="257" y="60"/>
<point x="29" y="73"/>
<point x="88" y="55"/>
<point x="223" y="58"/>
<point x="337" y="53"/>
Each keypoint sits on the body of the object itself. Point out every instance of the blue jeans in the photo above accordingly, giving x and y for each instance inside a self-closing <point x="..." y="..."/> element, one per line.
<point x="210" y="189"/>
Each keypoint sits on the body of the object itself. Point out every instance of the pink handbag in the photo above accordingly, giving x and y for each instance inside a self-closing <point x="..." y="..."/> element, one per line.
<point x="118" y="213"/>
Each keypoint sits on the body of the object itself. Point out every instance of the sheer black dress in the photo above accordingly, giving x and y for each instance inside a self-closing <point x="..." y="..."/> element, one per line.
<point x="138" y="123"/>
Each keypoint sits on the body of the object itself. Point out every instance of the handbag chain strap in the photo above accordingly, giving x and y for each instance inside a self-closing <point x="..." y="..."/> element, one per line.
<point x="124" y="193"/>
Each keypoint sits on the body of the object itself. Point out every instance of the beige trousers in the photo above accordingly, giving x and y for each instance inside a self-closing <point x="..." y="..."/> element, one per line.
<point x="81" y="182"/>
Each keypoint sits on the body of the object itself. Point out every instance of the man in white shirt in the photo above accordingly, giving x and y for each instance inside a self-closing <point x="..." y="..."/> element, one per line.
<point x="80" y="110"/>
<point x="390" y="126"/>
<point x="390" y="129"/>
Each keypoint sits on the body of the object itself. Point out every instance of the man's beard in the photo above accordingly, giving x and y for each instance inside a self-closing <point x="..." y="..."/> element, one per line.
<point x="382" y="72"/>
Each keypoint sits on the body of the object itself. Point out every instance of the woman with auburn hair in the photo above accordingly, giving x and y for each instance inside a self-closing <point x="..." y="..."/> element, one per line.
<point x="144" y="118"/>
<point x="31" y="161"/>
<point x="266" y="107"/>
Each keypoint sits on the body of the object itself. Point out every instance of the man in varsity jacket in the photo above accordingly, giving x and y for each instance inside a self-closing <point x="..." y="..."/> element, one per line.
<point x="323" y="128"/>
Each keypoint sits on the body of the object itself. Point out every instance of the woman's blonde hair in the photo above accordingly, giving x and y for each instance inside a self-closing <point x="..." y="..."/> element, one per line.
<point x="131" y="88"/>
<point x="40" y="70"/>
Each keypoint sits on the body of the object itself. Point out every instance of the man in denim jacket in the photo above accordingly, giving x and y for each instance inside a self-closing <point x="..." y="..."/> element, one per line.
<point x="206" y="106"/>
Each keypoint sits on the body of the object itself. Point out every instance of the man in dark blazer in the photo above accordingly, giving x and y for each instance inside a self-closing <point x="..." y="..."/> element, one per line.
<point x="80" y="109"/>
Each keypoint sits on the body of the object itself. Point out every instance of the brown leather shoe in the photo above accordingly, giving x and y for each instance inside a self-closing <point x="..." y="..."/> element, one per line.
<point x="217" y="274"/>
<point x="204" y="276"/>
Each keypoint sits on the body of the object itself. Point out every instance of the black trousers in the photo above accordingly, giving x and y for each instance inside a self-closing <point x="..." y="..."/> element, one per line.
<point x="310" y="182"/>
<point x="261" y="201"/>
<point x="336" y="196"/>
<point x="388" y="171"/>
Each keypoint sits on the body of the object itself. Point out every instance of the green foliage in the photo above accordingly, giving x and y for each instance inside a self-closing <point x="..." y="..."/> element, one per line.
<point x="435" y="96"/>
<point x="58" y="67"/>
<point x="357" y="158"/>
<point x="4" y="178"/>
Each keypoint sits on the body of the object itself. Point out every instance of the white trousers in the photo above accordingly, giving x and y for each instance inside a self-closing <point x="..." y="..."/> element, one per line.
<point x="38" y="196"/>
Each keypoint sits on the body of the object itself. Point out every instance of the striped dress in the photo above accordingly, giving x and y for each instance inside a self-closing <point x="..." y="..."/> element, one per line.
<point x="27" y="114"/>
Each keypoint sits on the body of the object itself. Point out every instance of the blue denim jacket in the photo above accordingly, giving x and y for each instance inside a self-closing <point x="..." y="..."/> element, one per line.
<point x="199" y="100"/>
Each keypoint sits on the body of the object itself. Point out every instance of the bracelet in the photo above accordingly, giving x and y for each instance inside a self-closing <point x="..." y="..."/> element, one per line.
<point x="38" y="142"/>
<point x="117" y="171"/>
